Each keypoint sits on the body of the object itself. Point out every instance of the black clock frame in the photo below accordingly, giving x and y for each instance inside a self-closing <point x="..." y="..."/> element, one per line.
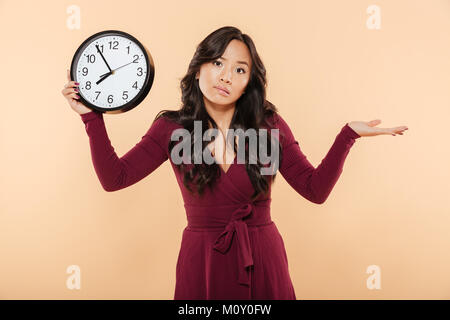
<point x="149" y="75"/>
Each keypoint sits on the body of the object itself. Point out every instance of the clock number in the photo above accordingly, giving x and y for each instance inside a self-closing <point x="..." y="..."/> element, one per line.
<point x="135" y="85"/>
<point x="110" y="98"/>
<point x="139" y="71"/>
<point x="116" y="43"/>
<point x="84" y="71"/>
<point x="90" y="58"/>
<point x="125" y="95"/>
<point x="128" y="49"/>
<point x="136" y="59"/>
<point x="88" y="85"/>
<point x="97" y="94"/>
<point x="101" y="47"/>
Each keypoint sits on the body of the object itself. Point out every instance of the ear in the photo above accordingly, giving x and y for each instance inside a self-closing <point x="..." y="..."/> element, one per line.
<point x="197" y="76"/>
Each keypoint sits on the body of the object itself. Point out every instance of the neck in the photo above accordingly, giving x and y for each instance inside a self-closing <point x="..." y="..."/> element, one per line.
<point x="221" y="115"/>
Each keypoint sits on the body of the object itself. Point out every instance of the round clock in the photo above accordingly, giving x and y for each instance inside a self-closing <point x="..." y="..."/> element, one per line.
<point x="114" y="70"/>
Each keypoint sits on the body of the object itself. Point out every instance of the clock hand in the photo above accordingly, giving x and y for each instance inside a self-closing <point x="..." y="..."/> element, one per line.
<point x="123" y="66"/>
<point x="103" y="78"/>
<point x="116" y="69"/>
<point x="103" y="57"/>
<point x="107" y="74"/>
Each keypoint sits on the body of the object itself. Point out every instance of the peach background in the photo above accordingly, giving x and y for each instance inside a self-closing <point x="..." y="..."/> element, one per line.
<point x="390" y="207"/>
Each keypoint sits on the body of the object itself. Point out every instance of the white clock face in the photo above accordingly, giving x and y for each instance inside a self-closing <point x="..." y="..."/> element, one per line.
<point x="114" y="86"/>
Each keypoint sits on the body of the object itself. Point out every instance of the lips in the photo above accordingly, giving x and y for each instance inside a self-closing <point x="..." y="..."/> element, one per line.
<point x="222" y="88"/>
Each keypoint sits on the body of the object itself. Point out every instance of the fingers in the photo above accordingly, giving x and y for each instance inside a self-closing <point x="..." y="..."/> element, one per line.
<point x="392" y="133"/>
<point x="70" y="90"/>
<point x="400" y="130"/>
<point x="74" y="95"/>
<point x="71" y="95"/>
<point x="397" y="130"/>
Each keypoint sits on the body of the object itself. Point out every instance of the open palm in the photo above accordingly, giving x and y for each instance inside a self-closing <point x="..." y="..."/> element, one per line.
<point x="367" y="129"/>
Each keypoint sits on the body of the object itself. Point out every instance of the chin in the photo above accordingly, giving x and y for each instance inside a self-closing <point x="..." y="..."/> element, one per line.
<point x="221" y="100"/>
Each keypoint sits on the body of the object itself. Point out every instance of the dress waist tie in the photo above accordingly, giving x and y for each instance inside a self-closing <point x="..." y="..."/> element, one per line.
<point x="246" y="215"/>
<point x="223" y="242"/>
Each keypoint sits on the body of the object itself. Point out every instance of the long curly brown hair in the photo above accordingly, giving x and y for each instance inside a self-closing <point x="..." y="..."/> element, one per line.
<point x="252" y="111"/>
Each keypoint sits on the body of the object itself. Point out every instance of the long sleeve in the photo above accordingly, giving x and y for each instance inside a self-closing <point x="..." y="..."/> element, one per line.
<point x="117" y="173"/>
<point x="314" y="184"/>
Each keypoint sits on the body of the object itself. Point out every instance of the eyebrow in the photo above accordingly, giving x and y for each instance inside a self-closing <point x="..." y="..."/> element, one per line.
<point x="242" y="62"/>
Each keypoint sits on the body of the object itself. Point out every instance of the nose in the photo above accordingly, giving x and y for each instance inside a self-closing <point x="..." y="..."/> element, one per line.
<point x="225" y="76"/>
<point x="225" y="80"/>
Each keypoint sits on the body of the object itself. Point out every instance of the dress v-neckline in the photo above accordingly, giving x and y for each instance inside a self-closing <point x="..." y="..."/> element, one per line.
<point x="220" y="167"/>
<point x="229" y="168"/>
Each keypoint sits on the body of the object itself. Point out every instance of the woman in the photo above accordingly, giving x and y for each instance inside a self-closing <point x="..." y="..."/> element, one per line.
<point x="230" y="249"/>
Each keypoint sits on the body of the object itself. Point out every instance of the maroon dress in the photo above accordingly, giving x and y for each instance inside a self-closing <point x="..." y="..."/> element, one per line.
<point x="230" y="248"/>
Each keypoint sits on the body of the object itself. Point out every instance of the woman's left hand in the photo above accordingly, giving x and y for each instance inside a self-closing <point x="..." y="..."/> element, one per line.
<point x="366" y="129"/>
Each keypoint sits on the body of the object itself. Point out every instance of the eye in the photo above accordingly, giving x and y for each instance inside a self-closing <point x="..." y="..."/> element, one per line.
<point x="214" y="62"/>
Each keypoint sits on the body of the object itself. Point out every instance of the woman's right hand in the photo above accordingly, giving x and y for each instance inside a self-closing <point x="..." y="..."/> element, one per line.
<point x="71" y="95"/>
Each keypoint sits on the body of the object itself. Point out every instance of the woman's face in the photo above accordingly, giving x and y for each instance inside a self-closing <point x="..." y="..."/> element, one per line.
<point x="231" y="71"/>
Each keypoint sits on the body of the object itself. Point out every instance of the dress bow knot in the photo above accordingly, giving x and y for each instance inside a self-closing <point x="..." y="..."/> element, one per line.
<point x="244" y="251"/>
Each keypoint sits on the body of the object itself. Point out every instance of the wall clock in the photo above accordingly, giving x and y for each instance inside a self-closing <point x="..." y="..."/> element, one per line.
<point x="114" y="70"/>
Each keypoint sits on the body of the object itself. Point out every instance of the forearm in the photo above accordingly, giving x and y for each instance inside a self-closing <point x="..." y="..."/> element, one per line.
<point x="316" y="184"/>
<point x="325" y="176"/>
<point x="107" y="164"/>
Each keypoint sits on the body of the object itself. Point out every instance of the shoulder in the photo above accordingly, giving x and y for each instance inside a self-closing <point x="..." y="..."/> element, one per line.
<point x="167" y="119"/>
<point x="276" y="122"/>
<point x="162" y="127"/>
<point x="165" y="122"/>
